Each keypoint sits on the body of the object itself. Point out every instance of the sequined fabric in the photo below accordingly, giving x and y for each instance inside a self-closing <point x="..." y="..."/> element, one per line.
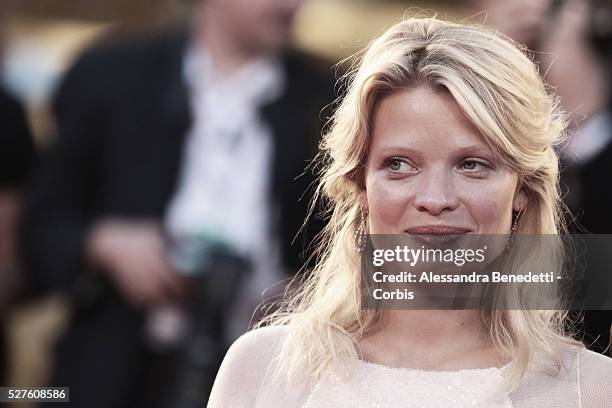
<point x="377" y="386"/>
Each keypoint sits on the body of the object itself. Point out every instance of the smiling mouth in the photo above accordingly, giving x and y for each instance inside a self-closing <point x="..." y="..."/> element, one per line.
<point x="436" y="234"/>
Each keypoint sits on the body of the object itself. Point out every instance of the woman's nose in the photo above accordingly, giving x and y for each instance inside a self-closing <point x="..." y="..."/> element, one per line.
<point x="436" y="192"/>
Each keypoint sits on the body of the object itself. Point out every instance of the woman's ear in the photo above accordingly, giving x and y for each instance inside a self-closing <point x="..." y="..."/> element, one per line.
<point x="520" y="200"/>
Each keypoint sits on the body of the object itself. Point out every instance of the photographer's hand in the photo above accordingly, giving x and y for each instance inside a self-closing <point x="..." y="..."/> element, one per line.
<point x="133" y="253"/>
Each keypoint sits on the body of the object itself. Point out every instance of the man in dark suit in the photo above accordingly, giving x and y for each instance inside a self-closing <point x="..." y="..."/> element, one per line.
<point x="143" y="159"/>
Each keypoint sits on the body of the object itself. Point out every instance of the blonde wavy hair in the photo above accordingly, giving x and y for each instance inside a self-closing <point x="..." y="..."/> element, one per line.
<point x="499" y="89"/>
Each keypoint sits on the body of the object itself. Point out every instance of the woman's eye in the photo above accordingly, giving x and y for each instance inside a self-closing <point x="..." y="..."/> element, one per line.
<point x="472" y="165"/>
<point x="395" y="165"/>
<point x="398" y="165"/>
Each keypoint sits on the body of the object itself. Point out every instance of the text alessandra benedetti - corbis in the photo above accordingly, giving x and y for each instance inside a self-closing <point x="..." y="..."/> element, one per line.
<point x="473" y="277"/>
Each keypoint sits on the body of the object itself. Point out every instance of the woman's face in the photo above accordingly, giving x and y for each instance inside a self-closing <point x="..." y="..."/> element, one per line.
<point x="430" y="172"/>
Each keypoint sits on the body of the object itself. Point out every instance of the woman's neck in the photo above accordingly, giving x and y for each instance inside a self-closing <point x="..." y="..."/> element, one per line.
<point x="431" y="339"/>
<point x="432" y="326"/>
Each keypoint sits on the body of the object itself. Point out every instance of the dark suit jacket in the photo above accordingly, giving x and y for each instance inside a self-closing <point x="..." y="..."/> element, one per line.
<point x="122" y="114"/>
<point x="16" y="157"/>
<point x="16" y="143"/>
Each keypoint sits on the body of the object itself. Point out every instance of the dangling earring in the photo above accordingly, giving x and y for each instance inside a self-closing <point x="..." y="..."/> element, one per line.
<point x="359" y="237"/>
<point x="513" y="230"/>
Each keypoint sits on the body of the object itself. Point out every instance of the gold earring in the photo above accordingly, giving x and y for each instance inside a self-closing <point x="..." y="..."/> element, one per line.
<point x="359" y="237"/>
<point x="513" y="230"/>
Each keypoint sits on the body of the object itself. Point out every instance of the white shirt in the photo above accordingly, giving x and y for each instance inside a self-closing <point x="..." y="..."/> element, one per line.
<point x="224" y="191"/>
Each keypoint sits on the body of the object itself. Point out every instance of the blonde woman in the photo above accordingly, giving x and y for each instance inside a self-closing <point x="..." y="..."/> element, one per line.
<point x="445" y="129"/>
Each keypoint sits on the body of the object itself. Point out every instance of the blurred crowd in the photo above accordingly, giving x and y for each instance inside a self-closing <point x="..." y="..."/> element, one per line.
<point x="170" y="203"/>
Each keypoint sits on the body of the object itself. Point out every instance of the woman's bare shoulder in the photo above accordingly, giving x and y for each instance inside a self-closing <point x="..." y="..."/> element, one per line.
<point x="245" y="366"/>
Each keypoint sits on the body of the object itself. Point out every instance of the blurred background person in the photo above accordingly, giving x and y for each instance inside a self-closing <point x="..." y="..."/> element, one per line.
<point x="177" y="156"/>
<point x="575" y="58"/>
<point x="16" y="150"/>
<point x="521" y="20"/>
<point x="16" y="158"/>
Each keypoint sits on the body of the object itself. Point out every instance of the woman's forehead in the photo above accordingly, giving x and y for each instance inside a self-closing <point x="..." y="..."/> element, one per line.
<point x="423" y="118"/>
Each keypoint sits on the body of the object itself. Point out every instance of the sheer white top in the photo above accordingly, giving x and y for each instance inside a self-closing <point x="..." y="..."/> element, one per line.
<point x="245" y="380"/>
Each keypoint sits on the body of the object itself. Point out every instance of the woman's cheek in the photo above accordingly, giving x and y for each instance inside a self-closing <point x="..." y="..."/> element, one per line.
<point x="388" y="201"/>
<point x="490" y="206"/>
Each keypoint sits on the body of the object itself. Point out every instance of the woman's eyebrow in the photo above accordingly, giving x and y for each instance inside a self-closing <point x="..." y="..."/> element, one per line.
<point x="400" y="148"/>
<point x="395" y="149"/>
<point x="475" y="149"/>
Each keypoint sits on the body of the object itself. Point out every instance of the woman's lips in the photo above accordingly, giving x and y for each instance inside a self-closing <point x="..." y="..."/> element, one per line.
<point x="436" y="230"/>
<point x="436" y="234"/>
